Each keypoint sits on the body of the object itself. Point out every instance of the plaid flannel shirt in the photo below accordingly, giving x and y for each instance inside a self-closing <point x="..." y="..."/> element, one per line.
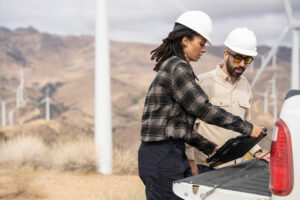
<point x="173" y="102"/>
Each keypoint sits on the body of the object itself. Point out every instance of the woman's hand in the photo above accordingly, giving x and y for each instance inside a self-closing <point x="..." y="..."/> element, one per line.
<point x="257" y="131"/>
<point x="194" y="167"/>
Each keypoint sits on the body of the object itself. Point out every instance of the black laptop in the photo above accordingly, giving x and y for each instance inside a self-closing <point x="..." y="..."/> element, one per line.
<point x="233" y="149"/>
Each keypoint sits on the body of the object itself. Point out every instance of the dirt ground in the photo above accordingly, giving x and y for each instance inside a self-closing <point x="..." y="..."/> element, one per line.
<point x="28" y="183"/>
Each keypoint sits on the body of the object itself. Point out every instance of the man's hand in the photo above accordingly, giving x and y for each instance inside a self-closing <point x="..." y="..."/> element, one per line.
<point x="260" y="154"/>
<point x="257" y="132"/>
<point x="217" y="147"/>
<point x="194" y="167"/>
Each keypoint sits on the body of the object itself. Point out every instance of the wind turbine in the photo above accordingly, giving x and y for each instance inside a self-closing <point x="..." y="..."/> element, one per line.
<point x="274" y="59"/>
<point x="295" y="26"/>
<point x="11" y="117"/>
<point x="273" y="82"/>
<point x="103" y="128"/>
<point x="274" y="104"/>
<point x="18" y="100"/>
<point x="266" y="102"/>
<point x="47" y="100"/>
<point x="263" y="58"/>
<point x="20" y="90"/>
<point x="179" y="5"/>
<point x="274" y="95"/>
<point x="3" y="112"/>
<point x="295" y="50"/>
<point x="251" y="66"/>
<point x="21" y="86"/>
<point x="262" y="61"/>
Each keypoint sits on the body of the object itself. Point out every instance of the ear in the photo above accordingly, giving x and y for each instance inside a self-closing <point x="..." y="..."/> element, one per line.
<point x="184" y="41"/>
<point x="225" y="54"/>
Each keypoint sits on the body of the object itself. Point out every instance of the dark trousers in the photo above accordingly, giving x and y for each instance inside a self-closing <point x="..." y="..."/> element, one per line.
<point x="161" y="163"/>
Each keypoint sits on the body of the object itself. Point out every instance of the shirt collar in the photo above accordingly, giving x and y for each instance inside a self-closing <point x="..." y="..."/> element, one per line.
<point x="221" y="73"/>
<point x="189" y="67"/>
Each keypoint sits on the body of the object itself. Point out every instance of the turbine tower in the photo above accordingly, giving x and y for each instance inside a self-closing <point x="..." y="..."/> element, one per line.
<point x="47" y="100"/>
<point x="21" y="87"/>
<point x="274" y="95"/>
<point x="102" y="123"/>
<point x="3" y="112"/>
<point x="295" y="26"/>
<point x="262" y="61"/>
<point x="274" y="104"/>
<point x="266" y="100"/>
<point x="11" y="117"/>
<point x="18" y="100"/>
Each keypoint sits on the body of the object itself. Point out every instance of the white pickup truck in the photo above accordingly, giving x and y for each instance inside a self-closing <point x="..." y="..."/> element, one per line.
<point x="255" y="179"/>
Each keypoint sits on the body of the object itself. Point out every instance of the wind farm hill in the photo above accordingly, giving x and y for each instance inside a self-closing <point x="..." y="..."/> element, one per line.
<point x="65" y="65"/>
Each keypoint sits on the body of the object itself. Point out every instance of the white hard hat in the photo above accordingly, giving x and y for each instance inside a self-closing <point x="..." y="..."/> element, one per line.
<point x="197" y="21"/>
<point x="242" y="40"/>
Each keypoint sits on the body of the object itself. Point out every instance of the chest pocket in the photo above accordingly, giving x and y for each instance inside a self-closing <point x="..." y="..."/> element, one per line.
<point x="220" y="102"/>
<point x="244" y="105"/>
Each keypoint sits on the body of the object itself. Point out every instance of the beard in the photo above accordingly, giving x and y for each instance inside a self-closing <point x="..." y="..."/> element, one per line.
<point x="232" y="70"/>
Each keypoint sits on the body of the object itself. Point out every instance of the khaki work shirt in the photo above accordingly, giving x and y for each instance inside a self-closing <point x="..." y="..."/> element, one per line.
<point x="233" y="97"/>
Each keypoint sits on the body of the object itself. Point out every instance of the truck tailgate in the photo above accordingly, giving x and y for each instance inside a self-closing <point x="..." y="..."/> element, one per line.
<point x="254" y="180"/>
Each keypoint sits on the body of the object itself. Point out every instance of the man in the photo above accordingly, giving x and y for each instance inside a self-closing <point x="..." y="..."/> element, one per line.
<point x="227" y="88"/>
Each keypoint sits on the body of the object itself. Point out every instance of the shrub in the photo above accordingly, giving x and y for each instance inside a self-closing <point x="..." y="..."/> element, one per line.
<point x="22" y="150"/>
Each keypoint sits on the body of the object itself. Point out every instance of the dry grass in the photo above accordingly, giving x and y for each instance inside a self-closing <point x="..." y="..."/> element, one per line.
<point x="75" y="155"/>
<point x="125" y="161"/>
<point x="30" y="169"/>
<point x="22" y="150"/>
<point x="52" y="185"/>
<point x="16" y="183"/>
<point x="28" y="183"/>
<point x="71" y="155"/>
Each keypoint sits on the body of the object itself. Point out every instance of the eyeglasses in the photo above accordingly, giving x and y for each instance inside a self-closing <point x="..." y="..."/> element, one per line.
<point x="239" y="58"/>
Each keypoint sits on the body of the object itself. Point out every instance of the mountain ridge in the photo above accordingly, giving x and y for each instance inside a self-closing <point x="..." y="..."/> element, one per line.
<point x="65" y="64"/>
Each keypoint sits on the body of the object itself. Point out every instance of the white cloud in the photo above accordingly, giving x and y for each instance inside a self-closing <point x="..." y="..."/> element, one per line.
<point x="147" y="21"/>
<point x="61" y="17"/>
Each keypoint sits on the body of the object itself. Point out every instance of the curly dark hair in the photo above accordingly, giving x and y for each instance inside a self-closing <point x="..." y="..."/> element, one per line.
<point x="172" y="45"/>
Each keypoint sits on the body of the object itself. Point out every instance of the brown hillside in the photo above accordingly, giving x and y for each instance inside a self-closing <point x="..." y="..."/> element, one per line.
<point x="65" y="64"/>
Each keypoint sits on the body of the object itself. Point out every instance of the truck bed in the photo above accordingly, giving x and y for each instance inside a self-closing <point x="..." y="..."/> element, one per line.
<point x="253" y="180"/>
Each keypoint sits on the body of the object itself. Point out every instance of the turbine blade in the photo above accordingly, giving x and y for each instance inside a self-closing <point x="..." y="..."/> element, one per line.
<point x="43" y="101"/>
<point x="269" y="56"/>
<point x="179" y="5"/>
<point x="288" y="10"/>
<point x="47" y="92"/>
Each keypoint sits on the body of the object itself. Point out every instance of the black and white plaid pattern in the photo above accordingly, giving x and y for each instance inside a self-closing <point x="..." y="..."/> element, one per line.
<point x="173" y="102"/>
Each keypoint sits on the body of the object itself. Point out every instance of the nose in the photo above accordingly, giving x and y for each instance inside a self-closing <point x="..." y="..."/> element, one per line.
<point x="203" y="49"/>
<point x="242" y="63"/>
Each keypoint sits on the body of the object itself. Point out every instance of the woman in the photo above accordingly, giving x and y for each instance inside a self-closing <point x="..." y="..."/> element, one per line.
<point x="174" y="100"/>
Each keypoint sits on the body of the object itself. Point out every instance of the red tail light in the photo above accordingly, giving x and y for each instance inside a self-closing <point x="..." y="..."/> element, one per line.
<point x="281" y="164"/>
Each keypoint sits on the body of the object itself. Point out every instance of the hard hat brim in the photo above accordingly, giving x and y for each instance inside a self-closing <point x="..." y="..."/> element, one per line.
<point x="241" y="51"/>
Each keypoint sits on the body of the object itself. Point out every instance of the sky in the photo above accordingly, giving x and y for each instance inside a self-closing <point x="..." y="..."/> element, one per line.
<point x="149" y="21"/>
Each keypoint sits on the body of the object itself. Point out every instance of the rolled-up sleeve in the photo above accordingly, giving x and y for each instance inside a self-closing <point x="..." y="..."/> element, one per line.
<point x="190" y="152"/>
<point x="193" y="99"/>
